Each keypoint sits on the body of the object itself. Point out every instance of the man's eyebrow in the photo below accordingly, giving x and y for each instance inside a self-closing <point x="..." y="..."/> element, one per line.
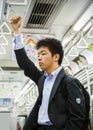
<point x="41" y="51"/>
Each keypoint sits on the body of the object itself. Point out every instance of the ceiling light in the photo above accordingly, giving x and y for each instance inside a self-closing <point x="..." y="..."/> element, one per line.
<point x="84" y="18"/>
<point x="3" y="40"/>
<point x="5" y="29"/>
<point x="17" y="2"/>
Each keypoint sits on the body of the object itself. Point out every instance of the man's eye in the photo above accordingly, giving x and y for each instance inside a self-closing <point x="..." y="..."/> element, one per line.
<point x="43" y="53"/>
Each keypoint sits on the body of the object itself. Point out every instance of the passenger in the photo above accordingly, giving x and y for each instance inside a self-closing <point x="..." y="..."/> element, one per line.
<point x="18" y="126"/>
<point x="55" y="108"/>
<point x="68" y="69"/>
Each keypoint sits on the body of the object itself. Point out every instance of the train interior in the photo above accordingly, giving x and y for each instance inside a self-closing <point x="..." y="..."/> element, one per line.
<point x="71" y="22"/>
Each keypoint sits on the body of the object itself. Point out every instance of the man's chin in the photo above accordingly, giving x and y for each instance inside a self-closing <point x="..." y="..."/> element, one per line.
<point x="42" y="68"/>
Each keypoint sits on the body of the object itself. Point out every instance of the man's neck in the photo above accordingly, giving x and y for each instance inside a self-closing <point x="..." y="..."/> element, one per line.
<point x="52" y="69"/>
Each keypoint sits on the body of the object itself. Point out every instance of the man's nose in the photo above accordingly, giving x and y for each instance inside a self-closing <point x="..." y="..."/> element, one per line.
<point x="39" y="57"/>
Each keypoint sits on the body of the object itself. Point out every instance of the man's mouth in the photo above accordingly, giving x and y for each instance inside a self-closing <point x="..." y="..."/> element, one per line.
<point x="40" y="64"/>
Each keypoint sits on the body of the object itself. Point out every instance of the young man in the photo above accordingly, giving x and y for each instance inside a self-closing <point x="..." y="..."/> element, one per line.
<point x="55" y="108"/>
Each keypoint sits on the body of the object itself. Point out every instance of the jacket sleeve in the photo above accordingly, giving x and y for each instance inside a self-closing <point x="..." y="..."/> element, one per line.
<point x="75" y="106"/>
<point x="27" y="65"/>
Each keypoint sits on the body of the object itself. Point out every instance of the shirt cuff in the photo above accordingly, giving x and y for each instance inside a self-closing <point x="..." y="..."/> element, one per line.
<point x="18" y="42"/>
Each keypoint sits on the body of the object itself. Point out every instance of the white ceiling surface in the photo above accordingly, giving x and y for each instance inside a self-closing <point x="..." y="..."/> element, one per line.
<point x="63" y="21"/>
<point x="11" y="83"/>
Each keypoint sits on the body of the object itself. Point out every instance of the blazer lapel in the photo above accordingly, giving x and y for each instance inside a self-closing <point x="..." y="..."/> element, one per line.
<point x="56" y="84"/>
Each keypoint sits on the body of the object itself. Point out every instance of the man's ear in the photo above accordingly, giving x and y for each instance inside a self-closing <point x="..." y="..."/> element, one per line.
<point x="56" y="57"/>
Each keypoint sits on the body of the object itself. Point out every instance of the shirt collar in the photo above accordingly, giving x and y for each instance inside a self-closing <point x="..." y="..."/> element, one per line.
<point x="54" y="73"/>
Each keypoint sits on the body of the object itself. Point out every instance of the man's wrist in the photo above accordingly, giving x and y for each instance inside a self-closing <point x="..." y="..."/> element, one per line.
<point x="17" y="34"/>
<point x="18" y="42"/>
<point x="17" y="31"/>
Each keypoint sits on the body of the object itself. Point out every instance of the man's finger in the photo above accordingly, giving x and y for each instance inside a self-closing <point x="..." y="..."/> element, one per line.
<point x="15" y="19"/>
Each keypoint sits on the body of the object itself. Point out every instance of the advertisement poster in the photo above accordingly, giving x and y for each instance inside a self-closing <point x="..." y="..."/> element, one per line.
<point x="6" y="102"/>
<point x="30" y="42"/>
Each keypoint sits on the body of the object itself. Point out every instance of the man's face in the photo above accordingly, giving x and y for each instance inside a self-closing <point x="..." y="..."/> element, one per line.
<point x="45" y="59"/>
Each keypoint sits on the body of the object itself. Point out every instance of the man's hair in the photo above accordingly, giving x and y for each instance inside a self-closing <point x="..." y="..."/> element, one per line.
<point x="69" y="67"/>
<point x="54" y="47"/>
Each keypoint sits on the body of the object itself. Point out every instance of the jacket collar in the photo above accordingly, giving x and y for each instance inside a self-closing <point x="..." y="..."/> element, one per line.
<point x="56" y="83"/>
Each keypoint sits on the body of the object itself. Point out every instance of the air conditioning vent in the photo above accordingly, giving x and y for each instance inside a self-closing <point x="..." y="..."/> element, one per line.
<point x="42" y="13"/>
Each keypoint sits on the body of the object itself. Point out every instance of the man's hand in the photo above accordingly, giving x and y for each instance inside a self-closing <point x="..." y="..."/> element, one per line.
<point x="16" y="24"/>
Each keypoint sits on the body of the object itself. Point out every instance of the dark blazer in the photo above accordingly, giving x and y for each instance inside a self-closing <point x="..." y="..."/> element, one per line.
<point x="65" y="113"/>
